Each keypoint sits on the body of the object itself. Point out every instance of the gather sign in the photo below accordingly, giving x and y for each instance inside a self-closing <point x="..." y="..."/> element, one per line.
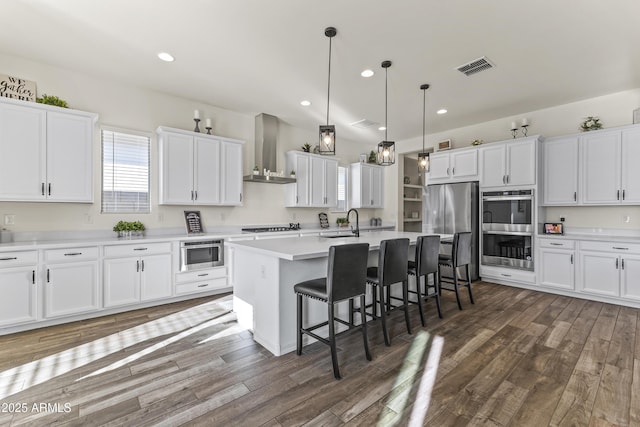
<point x="17" y="88"/>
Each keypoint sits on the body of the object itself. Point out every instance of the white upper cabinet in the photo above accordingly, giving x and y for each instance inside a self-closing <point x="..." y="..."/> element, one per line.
<point x="560" y="171"/>
<point x="454" y="165"/>
<point x="609" y="160"/>
<point x="316" y="180"/>
<point x="198" y="169"/>
<point x="367" y="187"/>
<point x="46" y="153"/>
<point x="509" y="163"/>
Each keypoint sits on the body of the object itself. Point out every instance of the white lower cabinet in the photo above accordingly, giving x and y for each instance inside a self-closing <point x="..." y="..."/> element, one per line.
<point x="201" y="280"/>
<point x="630" y="277"/>
<point x="71" y="289"/>
<point x="557" y="263"/>
<point x="134" y="278"/>
<point x="19" y="295"/>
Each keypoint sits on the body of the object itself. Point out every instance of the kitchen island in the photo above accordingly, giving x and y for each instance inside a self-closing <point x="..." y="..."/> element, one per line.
<point x="265" y="271"/>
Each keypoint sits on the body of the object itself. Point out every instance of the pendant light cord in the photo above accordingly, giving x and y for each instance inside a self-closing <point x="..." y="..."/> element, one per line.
<point x="386" y="71"/>
<point x="329" y="81"/>
<point x="424" y="114"/>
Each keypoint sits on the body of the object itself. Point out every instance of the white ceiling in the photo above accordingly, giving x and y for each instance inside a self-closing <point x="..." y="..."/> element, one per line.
<point x="255" y="56"/>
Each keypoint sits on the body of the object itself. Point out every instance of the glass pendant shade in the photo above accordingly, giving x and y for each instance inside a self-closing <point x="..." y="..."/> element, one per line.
<point x="386" y="153"/>
<point x="327" y="144"/>
<point x="423" y="162"/>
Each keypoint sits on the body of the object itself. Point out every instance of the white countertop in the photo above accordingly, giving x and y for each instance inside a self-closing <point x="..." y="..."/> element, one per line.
<point x="593" y="237"/>
<point x="306" y="247"/>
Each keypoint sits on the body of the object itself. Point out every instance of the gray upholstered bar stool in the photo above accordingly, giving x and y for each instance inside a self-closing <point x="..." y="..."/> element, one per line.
<point x="426" y="263"/>
<point x="346" y="279"/>
<point x="460" y="257"/>
<point x="393" y="257"/>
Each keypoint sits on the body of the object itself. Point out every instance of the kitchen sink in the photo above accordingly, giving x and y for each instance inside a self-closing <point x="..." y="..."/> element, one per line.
<point x="335" y="236"/>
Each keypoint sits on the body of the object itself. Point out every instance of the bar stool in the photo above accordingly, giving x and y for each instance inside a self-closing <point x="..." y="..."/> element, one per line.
<point x="426" y="263"/>
<point x="393" y="258"/>
<point x="460" y="257"/>
<point x="346" y="279"/>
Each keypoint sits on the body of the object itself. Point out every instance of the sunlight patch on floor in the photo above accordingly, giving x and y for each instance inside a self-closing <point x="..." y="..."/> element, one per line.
<point x="39" y="371"/>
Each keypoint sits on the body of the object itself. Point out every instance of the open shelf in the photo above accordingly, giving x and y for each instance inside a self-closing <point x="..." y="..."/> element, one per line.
<point x="412" y="186"/>
<point x="408" y="199"/>
<point x="412" y="219"/>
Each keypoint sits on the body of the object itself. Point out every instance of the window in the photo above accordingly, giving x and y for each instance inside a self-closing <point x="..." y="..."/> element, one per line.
<point x="125" y="172"/>
<point x="343" y="181"/>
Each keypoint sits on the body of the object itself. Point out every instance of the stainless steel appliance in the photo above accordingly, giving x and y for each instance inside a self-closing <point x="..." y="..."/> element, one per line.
<point x="507" y="228"/>
<point x="199" y="254"/>
<point x="453" y="208"/>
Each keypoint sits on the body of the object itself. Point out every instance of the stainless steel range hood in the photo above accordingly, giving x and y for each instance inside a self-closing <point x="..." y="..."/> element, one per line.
<point x="266" y="150"/>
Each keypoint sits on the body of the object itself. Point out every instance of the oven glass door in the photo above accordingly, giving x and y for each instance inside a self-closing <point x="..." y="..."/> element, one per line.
<point x="507" y="250"/>
<point x="201" y="255"/>
<point x="507" y="214"/>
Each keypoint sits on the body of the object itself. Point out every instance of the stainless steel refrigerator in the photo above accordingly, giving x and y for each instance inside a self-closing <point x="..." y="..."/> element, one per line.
<point x="453" y="208"/>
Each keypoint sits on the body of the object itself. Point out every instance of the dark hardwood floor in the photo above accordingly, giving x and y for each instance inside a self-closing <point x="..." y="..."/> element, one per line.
<point x="516" y="357"/>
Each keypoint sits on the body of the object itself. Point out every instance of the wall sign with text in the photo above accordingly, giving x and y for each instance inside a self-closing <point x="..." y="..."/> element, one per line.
<point x="17" y="88"/>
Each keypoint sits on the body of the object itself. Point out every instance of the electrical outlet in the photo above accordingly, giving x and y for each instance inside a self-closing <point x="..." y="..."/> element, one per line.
<point x="160" y="217"/>
<point x="294" y="216"/>
<point x="88" y="218"/>
<point x="562" y="219"/>
<point x="9" y="219"/>
<point x="222" y="217"/>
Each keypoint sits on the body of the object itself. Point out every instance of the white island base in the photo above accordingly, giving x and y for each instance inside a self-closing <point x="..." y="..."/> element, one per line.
<point x="264" y="273"/>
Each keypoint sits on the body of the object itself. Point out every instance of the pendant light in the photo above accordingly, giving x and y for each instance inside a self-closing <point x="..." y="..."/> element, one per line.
<point x="386" y="148"/>
<point x="327" y="143"/>
<point x="423" y="157"/>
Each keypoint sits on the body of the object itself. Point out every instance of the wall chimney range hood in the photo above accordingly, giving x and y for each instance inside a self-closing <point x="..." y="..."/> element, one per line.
<point x="266" y="151"/>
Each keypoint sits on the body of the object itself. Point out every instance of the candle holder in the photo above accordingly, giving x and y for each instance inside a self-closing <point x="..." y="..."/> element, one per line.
<point x="197" y="129"/>
<point x="524" y="129"/>
<point x="208" y="128"/>
<point x="514" y="132"/>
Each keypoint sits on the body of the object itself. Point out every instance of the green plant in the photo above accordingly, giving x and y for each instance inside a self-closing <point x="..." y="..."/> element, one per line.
<point x="591" y="123"/>
<point x="373" y="157"/>
<point x="292" y="172"/>
<point x="52" y="100"/>
<point x="123" y="226"/>
<point x="342" y="221"/>
<point x="476" y="142"/>
<point x="306" y="147"/>
<point x="255" y="168"/>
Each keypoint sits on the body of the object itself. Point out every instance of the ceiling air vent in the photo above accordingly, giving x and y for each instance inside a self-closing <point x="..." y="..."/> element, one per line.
<point x="364" y="123"/>
<point x="475" y="66"/>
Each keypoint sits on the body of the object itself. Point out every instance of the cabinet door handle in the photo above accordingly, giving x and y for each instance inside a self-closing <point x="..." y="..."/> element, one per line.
<point x="623" y="263"/>
<point x="48" y="281"/>
<point x="49" y="189"/>
<point x="196" y="193"/>
<point x="505" y="275"/>
<point x="453" y="171"/>
<point x="575" y="196"/>
<point x="556" y="244"/>
<point x="138" y="266"/>
<point x="73" y="254"/>
<point x="140" y="249"/>
<point x="240" y="196"/>
<point x="33" y="277"/>
<point x="191" y="194"/>
<point x="504" y="179"/>
<point x="508" y="178"/>
<point x="620" y="248"/>
<point x="8" y="259"/>
<point x="296" y="199"/>
<point x="617" y="261"/>
<point x="142" y="265"/>
<point x="618" y="195"/>
<point x="42" y="188"/>
<point x="447" y="171"/>
<point x="623" y="191"/>
<point x="571" y="258"/>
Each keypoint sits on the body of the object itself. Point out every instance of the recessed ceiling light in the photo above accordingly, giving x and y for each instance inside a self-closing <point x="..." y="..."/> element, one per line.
<point x="305" y="103"/>
<point x="367" y="73"/>
<point x="442" y="111"/>
<point x="382" y="128"/>
<point x="167" y="57"/>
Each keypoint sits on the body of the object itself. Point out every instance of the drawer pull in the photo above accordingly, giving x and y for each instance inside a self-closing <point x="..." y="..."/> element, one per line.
<point x="505" y="275"/>
<point x="140" y="249"/>
<point x="203" y="274"/>
<point x="8" y="259"/>
<point x="33" y="277"/>
<point x="73" y="254"/>
<point x="204" y="285"/>
<point x="556" y="244"/>
<point x="620" y="248"/>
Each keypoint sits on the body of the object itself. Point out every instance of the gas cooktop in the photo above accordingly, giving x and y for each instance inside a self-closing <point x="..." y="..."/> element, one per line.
<point x="291" y="227"/>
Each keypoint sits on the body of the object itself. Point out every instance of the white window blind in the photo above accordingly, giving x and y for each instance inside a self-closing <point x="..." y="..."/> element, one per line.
<point x="125" y="172"/>
<point x="342" y="189"/>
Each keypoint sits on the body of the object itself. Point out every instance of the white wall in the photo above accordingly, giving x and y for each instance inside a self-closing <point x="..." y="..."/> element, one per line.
<point x="613" y="109"/>
<point x="122" y="106"/>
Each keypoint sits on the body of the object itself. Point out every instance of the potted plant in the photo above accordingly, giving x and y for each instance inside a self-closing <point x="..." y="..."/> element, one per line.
<point x="52" y="100"/>
<point x="306" y="147"/>
<point x="256" y="171"/>
<point x="373" y="157"/>
<point x="292" y="174"/>
<point x="591" y="123"/>
<point x="342" y="222"/>
<point x="137" y="228"/>
<point x="127" y="229"/>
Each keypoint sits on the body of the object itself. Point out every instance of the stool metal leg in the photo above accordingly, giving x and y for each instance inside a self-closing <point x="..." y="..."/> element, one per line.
<point x="383" y="316"/>
<point x="455" y="286"/>
<point x="405" y="297"/>
<point x="299" y="324"/>
<point x="364" y="327"/>
<point x="332" y="343"/>
<point x="436" y="285"/>
<point x="420" y="301"/>
<point x="466" y="267"/>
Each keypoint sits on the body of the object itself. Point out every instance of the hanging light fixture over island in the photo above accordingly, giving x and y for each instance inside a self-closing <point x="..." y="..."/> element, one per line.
<point x="386" y="148"/>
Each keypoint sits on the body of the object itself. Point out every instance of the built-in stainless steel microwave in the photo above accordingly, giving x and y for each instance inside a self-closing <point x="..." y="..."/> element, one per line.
<point x="199" y="254"/>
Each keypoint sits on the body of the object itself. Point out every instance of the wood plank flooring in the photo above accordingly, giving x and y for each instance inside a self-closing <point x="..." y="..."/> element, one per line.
<point x="515" y="358"/>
